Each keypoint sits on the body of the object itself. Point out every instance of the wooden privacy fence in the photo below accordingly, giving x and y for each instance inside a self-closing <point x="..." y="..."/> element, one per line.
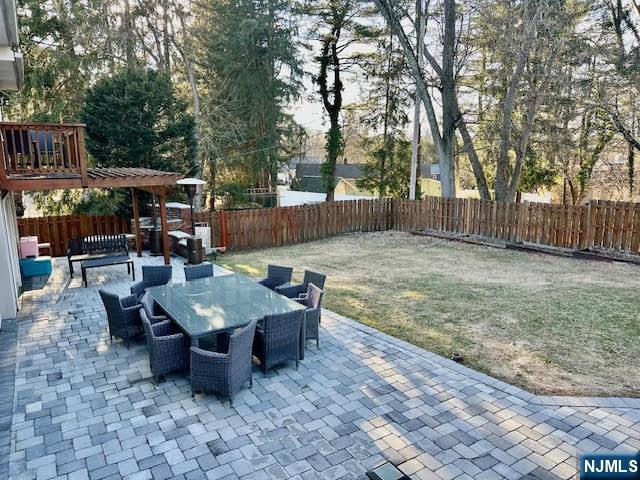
<point x="272" y="227"/>
<point x="601" y="225"/>
<point x="57" y="230"/>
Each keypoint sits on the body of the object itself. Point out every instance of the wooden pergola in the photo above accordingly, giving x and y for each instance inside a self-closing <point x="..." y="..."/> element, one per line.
<point x="37" y="157"/>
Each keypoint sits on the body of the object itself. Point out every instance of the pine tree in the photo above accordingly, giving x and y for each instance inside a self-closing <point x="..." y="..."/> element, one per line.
<point x="252" y="73"/>
<point x="129" y="125"/>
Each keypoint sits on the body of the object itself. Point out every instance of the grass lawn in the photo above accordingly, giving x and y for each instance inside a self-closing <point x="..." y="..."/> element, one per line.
<point x="549" y="324"/>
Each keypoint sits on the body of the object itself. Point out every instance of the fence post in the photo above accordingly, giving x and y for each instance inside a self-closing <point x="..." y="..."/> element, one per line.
<point x="585" y="226"/>
<point x="635" y="230"/>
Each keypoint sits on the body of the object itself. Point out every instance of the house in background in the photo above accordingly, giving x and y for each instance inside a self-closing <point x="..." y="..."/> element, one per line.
<point x="11" y="79"/>
<point x="309" y="179"/>
<point x="288" y="171"/>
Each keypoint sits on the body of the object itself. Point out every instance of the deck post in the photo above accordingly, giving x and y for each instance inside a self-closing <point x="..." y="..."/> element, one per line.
<point x="136" y="221"/>
<point x="165" y="229"/>
<point x="82" y="157"/>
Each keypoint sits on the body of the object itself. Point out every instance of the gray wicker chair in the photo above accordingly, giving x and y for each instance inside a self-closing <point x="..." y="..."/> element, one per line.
<point x="168" y="349"/>
<point x="313" y="302"/>
<point x="276" y="276"/>
<point x="224" y="373"/>
<point x="278" y="339"/>
<point x="123" y="316"/>
<point x="193" y="272"/>
<point x="152" y="276"/>
<point x="295" y="291"/>
<point x="153" y="312"/>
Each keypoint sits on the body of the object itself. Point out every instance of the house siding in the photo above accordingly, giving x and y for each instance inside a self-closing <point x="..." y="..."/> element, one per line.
<point x="9" y="265"/>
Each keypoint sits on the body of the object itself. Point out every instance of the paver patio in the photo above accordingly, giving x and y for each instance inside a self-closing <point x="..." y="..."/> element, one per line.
<point x="83" y="408"/>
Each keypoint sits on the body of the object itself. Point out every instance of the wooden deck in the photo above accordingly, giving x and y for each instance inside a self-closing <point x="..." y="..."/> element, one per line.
<point x="50" y="156"/>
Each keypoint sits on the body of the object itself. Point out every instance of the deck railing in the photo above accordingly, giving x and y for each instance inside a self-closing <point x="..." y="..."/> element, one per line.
<point x="41" y="149"/>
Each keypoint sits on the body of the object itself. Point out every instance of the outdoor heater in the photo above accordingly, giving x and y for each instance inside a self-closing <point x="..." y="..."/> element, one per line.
<point x="191" y="187"/>
<point x="194" y="245"/>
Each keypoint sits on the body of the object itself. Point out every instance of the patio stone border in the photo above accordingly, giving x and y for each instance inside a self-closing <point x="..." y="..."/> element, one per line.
<point x="8" y="345"/>
<point x="543" y="400"/>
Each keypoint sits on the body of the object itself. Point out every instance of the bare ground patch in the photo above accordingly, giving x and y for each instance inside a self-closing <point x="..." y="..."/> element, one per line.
<point x="549" y="324"/>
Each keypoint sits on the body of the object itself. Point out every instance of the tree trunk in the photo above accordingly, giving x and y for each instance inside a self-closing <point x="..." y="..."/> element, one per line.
<point x="183" y="50"/>
<point x="449" y="103"/>
<point x="503" y="187"/>
<point x="334" y="139"/>
<point x="415" y="145"/>
<point x="444" y="147"/>
<point x="331" y="57"/>
<point x="387" y="150"/>
<point x="128" y="34"/>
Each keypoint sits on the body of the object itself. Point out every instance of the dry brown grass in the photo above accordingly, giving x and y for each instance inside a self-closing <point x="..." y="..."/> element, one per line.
<point x="551" y="325"/>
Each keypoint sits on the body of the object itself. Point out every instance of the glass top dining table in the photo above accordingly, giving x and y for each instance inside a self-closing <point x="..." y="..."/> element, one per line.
<point x="212" y="305"/>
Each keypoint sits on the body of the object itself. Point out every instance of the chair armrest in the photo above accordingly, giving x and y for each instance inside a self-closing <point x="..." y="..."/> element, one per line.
<point x="157" y="318"/>
<point x="133" y="313"/>
<point x="291" y="292"/>
<point x="208" y="355"/>
<point x="302" y="301"/>
<point x="138" y="288"/>
<point x="130" y="301"/>
<point x="163" y="328"/>
<point x="171" y="338"/>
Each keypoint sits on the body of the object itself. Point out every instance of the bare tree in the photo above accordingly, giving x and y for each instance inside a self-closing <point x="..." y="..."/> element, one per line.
<point x="513" y="143"/>
<point x="443" y="136"/>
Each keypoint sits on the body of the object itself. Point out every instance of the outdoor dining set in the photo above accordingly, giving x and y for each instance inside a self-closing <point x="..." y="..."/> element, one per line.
<point x="214" y="326"/>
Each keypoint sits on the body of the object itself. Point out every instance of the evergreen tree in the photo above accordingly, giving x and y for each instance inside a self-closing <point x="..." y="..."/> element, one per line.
<point x="135" y="120"/>
<point x="58" y="67"/>
<point x="252" y="73"/>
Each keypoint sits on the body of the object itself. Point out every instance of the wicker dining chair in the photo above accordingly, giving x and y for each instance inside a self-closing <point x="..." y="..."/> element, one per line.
<point x="123" y="316"/>
<point x="276" y="276"/>
<point x="224" y="373"/>
<point x="278" y="339"/>
<point x="168" y="349"/>
<point x="295" y="291"/>
<point x="313" y="302"/>
<point x="154" y="313"/>
<point x="152" y="276"/>
<point x="194" y="272"/>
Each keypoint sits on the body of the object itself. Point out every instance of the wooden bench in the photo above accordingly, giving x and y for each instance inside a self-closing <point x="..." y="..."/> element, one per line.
<point x="107" y="262"/>
<point x="96" y="247"/>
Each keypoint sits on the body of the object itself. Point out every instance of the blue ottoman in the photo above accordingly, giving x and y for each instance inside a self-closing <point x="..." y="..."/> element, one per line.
<point x="34" y="267"/>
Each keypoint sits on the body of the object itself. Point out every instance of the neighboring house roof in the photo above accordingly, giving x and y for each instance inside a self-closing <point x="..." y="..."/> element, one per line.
<point x="296" y="160"/>
<point x="350" y="170"/>
<point x="311" y="184"/>
<point x="342" y="170"/>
